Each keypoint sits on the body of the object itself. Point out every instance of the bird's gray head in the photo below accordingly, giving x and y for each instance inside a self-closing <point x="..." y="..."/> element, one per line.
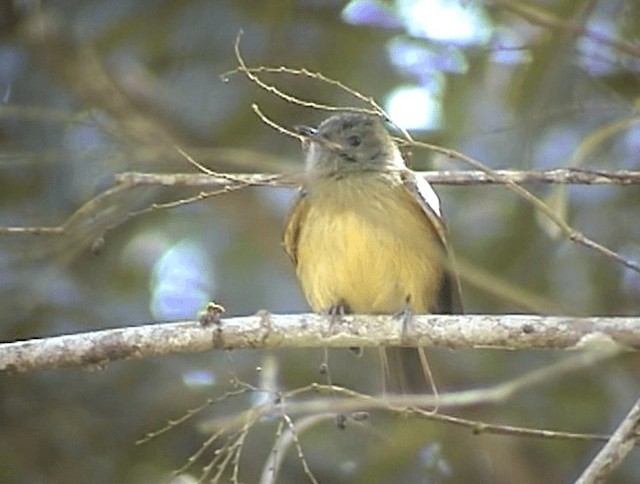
<point x="350" y="142"/>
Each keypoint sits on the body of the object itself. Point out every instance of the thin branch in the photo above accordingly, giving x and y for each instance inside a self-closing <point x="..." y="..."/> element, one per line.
<point x="94" y="208"/>
<point x="343" y="401"/>
<point x="293" y="431"/>
<point x="478" y="427"/>
<point x="613" y="453"/>
<point x="191" y="413"/>
<point x="451" y="177"/>
<point x="265" y="330"/>
<point x="569" y="232"/>
<point x="316" y="403"/>
<point x="284" y="440"/>
<point x="376" y="109"/>
<point x="277" y="127"/>
<point x="253" y="77"/>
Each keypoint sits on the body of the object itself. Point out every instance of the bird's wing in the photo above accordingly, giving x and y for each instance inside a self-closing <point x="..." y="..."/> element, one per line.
<point x="450" y="299"/>
<point x="292" y="227"/>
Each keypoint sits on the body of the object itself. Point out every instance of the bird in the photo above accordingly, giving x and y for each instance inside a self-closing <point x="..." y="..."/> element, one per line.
<point x="365" y="233"/>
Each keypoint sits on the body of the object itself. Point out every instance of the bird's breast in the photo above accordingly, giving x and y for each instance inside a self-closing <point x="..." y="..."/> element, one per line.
<point x="366" y="243"/>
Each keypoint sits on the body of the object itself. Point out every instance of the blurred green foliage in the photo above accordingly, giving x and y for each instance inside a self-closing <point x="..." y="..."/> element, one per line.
<point x="91" y="89"/>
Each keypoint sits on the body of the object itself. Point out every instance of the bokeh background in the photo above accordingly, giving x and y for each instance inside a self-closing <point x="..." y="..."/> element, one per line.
<point x="94" y="88"/>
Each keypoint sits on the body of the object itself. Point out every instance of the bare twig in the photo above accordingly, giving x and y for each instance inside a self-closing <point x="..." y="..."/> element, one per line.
<point x="284" y="440"/>
<point x="293" y="431"/>
<point x="253" y="77"/>
<point x="274" y="125"/>
<point x="207" y="444"/>
<point x="339" y="401"/>
<point x="225" y="182"/>
<point x="191" y="413"/>
<point x="265" y="330"/>
<point x="612" y="454"/>
<point x="317" y="403"/>
<point x="376" y="109"/>
<point x="455" y="177"/>
<point x="344" y="401"/>
<point x="570" y="233"/>
<point x="478" y="427"/>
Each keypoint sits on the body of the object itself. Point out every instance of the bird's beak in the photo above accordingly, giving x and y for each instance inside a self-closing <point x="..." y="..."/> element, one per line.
<point x="311" y="136"/>
<point x="307" y="131"/>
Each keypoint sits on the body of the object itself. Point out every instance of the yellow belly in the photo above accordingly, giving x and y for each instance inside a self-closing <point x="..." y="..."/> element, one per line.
<point x="366" y="243"/>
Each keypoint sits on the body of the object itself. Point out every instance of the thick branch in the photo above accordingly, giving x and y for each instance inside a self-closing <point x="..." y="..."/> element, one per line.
<point x="265" y="330"/>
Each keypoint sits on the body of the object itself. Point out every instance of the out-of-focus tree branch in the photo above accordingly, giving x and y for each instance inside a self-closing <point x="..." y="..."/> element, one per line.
<point x="80" y="68"/>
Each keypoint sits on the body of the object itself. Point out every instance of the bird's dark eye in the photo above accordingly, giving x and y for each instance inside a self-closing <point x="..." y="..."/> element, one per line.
<point x="354" y="140"/>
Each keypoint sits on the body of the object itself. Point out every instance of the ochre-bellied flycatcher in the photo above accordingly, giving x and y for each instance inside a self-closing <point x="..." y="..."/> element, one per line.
<point x="366" y="234"/>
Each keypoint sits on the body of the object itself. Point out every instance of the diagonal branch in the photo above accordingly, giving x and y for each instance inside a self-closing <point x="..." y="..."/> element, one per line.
<point x="613" y="453"/>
